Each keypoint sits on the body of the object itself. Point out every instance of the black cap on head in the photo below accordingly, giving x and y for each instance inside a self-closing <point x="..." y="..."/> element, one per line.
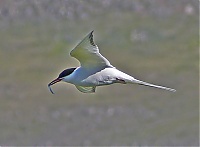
<point x="66" y="72"/>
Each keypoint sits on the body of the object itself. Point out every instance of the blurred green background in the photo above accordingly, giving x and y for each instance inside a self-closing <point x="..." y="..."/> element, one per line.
<point x="153" y="40"/>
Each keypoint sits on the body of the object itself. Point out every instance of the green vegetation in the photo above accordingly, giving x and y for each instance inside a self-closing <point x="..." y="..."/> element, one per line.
<point x="159" y="46"/>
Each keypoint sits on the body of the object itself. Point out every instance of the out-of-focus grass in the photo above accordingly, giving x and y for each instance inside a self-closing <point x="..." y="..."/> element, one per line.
<point x="156" y="50"/>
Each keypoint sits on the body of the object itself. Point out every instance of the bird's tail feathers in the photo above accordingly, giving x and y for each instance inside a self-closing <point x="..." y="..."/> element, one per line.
<point x="152" y="85"/>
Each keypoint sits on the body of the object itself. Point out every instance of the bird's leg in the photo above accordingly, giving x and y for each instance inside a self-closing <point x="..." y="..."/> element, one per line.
<point x="120" y="81"/>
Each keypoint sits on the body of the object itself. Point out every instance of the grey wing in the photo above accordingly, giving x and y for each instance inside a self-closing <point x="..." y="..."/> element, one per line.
<point x="88" y="54"/>
<point x="86" y="89"/>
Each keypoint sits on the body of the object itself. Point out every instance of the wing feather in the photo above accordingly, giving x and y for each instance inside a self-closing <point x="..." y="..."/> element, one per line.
<point x="87" y="53"/>
<point x="86" y="89"/>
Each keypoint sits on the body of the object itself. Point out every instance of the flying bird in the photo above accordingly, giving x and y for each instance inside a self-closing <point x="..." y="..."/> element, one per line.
<point x="95" y="70"/>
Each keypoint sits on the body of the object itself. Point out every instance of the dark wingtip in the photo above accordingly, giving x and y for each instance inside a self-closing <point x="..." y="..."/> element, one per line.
<point x="91" y="33"/>
<point x="91" y="38"/>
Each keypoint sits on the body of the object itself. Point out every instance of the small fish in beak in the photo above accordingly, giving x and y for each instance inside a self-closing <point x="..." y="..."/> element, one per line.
<point x="52" y="83"/>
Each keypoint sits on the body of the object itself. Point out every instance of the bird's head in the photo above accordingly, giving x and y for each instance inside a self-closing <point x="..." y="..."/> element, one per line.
<point x="61" y="76"/>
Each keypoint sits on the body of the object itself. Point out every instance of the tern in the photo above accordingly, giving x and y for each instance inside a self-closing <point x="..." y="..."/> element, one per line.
<point x="95" y="70"/>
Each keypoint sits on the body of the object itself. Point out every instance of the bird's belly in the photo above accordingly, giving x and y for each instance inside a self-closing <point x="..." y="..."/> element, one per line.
<point x="106" y="76"/>
<point x="97" y="81"/>
<point x="98" y="77"/>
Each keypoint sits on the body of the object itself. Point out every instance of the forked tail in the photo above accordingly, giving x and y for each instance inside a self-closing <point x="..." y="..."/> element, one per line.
<point x="152" y="85"/>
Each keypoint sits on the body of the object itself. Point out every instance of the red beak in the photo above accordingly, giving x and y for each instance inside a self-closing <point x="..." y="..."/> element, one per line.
<point x="53" y="82"/>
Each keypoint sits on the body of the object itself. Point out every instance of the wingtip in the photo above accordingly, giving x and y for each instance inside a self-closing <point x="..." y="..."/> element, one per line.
<point x="90" y="36"/>
<point x="92" y="32"/>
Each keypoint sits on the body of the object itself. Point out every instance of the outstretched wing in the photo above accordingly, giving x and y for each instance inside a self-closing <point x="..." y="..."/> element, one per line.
<point x="88" y="54"/>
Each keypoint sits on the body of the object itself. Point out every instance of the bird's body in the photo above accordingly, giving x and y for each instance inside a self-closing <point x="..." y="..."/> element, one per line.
<point x="95" y="70"/>
<point x="96" y="77"/>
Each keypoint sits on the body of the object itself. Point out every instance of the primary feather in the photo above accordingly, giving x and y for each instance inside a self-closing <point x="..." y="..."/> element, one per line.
<point x="87" y="52"/>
